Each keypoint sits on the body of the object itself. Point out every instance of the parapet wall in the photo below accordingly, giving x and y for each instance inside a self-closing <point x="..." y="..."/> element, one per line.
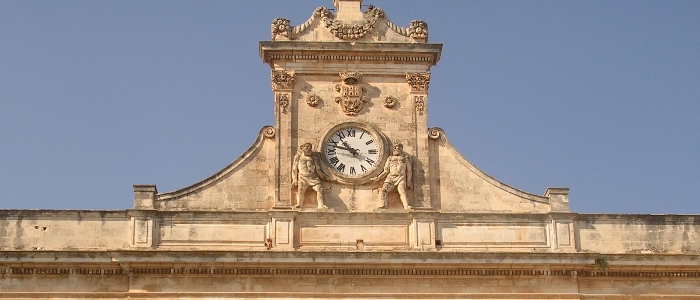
<point x="286" y="230"/>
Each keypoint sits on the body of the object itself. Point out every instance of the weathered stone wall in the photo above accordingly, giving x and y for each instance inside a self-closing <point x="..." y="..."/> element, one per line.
<point x="607" y="233"/>
<point x="63" y="230"/>
<point x="417" y="231"/>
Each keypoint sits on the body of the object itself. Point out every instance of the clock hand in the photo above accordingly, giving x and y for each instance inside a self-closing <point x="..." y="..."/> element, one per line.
<point x="352" y="151"/>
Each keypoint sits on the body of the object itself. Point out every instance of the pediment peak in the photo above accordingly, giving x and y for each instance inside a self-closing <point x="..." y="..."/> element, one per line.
<point x="348" y="23"/>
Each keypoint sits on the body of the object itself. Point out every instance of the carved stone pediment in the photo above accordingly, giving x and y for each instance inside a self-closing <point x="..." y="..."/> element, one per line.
<point x="349" y="30"/>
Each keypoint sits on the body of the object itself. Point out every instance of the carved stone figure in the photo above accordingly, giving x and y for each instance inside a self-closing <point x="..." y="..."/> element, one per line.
<point x="306" y="173"/>
<point x="398" y="174"/>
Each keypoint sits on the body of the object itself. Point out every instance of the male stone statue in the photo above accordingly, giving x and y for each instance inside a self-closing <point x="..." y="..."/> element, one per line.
<point x="398" y="175"/>
<point x="305" y="174"/>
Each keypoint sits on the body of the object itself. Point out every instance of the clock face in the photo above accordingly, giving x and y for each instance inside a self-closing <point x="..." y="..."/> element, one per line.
<point x="352" y="151"/>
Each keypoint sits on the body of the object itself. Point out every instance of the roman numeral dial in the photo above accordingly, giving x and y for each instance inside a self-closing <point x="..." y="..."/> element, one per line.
<point x="352" y="150"/>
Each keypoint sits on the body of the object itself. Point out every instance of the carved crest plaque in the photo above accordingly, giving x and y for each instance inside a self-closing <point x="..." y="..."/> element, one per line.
<point x="350" y="95"/>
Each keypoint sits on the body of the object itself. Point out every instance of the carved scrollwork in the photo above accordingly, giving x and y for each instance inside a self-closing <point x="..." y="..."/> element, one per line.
<point x="419" y="82"/>
<point x="269" y="132"/>
<point x="282" y="80"/>
<point x="281" y="27"/>
<point x="313" y="100"/>
<point x="418" y="29"/>
<point x="390" y="101"/>
<point x="434" y="133"/>
<point x="419" y="102"/>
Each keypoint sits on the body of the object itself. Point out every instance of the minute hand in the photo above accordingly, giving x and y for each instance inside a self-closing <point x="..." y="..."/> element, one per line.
<point x="352" y="151"/>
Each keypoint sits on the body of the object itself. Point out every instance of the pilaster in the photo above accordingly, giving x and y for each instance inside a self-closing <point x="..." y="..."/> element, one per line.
<point x="418" y="84"/>
<point x="282" y="224"/>
<point x="282" y="87"/>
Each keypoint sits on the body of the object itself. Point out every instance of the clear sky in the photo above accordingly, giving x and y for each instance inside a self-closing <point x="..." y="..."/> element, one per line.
<point x="599" y="96"/>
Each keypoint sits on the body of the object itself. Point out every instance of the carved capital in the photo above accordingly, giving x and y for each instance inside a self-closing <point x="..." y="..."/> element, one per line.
<point x="281" y="80"/>
<point x="419" y="82"/>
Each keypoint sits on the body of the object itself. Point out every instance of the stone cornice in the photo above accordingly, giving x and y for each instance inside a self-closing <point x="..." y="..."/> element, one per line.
<point x="418" y="259"/>
<point x="341" y="51"/>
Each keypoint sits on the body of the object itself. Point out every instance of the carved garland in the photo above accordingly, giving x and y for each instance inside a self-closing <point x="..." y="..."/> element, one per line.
<point x="417" y="30"/>
<point x="345" y="31"/>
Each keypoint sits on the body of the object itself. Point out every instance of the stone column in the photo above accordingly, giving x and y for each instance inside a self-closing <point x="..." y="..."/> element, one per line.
<point x="419" y="83"/>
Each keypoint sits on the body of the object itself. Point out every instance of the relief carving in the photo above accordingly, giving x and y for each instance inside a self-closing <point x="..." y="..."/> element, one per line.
<point x="283" y="101"/>
<point x="419" y="82"/>
<point x="419" y="102"/>
<point x="399" y="175"/>
<point x="418" y="29"/>
<point x="282" y="80"/>
<point x="281" y="27"/>
<point x="269" y="132"/>
<point x="435" y="133"/>
<point x="313" y="100"/>
<point x="306" y="173"/>
<point x="350" y="95"/>
<point x="345" y="31"/>
<point x="390" y="101"/>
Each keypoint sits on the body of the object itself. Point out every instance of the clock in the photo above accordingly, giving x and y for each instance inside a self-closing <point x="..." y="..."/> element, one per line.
<point x="353" y="151"/>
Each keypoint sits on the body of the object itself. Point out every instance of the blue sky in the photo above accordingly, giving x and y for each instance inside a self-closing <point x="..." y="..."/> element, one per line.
<point x="599" y="96"/>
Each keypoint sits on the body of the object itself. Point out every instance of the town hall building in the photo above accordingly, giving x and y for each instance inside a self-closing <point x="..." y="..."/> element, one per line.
<point x="348" y="195"/>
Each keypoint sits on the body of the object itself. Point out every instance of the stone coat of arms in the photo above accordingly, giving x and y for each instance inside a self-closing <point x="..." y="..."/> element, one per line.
<point x="349" y="94"/>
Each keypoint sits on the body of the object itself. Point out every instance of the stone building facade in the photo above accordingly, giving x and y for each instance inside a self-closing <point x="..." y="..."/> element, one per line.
<point x="349" y="195"/>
